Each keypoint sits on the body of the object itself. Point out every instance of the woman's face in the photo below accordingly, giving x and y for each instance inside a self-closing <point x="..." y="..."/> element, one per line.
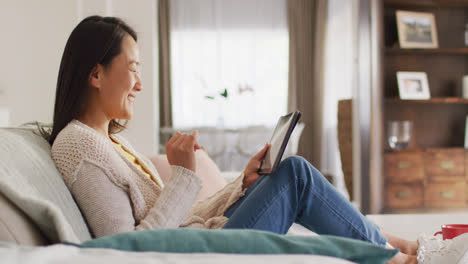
<point x="121" y="82"/>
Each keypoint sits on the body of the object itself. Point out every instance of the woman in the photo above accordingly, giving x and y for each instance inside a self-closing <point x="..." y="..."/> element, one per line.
<point x="118" y="190"/>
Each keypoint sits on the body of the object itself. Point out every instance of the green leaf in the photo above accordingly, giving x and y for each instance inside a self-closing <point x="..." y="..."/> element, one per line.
<point x="224" y="93"/>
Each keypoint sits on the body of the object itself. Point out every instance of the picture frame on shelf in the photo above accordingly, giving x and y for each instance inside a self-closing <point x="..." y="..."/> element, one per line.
<point x="416" y="30"/>
<point x="413" y="85"/>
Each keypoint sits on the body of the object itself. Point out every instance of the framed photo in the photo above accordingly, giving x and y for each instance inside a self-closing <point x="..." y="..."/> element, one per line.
<point x="413" y="85"/>
<point x="416" y="30"/>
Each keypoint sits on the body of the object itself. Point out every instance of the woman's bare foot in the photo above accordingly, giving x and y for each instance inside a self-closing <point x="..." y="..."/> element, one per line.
<point x="407" y="247"/>
<point x="401" y="258"/>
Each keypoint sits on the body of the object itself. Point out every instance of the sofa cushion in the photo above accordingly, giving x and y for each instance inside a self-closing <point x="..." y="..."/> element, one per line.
<point x="209" y="173"/>
<point x="31" y="181"/>
<point x="17" y="227"/>
<point x="242" y="242"/>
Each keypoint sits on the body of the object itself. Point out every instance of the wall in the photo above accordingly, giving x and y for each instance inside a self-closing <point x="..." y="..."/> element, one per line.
<point x="34" y="35"/>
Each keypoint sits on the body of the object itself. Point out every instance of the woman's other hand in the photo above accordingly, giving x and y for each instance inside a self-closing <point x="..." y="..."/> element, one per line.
<point x="181" y="149"/>
<point x="251" y="171"/>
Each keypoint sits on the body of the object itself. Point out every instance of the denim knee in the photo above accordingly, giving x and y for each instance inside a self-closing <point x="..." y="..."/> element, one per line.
<point x="302" y="169"/>
<point x="297" y="166"/>
<point x="294" y="161"/>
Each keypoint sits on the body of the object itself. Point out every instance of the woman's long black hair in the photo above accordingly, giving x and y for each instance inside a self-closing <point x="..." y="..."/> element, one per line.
<point x="95" y="40"/>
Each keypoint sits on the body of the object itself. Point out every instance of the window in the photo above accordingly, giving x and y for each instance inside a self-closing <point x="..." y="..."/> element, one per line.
<point x="229" y="62"/>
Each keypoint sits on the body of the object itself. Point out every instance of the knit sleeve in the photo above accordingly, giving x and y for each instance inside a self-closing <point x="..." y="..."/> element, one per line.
<point x="106" y="206"/>
<point x="176" y="200"/>
<point x="108" y="209"/>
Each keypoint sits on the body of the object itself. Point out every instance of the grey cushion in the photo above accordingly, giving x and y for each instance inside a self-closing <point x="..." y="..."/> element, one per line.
<point x="29" y="178"/>
<point x="17" y="227"/>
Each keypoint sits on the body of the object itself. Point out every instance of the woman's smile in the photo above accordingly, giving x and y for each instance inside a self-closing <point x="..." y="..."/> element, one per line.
<point x="131" y="97"/>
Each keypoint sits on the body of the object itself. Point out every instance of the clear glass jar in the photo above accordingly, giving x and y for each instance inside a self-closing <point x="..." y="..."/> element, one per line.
<point x="399" y="134"/>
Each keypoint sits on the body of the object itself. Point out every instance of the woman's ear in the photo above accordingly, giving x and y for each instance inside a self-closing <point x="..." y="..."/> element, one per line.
<point x="95" y="77"/>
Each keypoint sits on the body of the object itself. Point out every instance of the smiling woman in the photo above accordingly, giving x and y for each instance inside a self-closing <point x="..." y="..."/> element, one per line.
<point x="118" y="190"/>
<point x="88" y="58"/>
<point x="116" y="85"/>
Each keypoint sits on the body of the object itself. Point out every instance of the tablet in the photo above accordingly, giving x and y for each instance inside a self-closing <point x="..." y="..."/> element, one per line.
<point x="279" y="141"/>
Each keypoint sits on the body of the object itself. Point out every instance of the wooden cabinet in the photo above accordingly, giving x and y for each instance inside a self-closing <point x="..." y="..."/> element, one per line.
<point x="404" y="195"/>
<point x="445" y="164"/>
<point x="434" y="178"/>
<point x="433" y="171"/>
<point x="404" y="166"/>
<point x="444" y="195"/>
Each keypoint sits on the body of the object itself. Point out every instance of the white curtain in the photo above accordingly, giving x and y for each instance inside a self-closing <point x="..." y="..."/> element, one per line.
<point x="237" y="45"/>
<point x="340" y="59"/>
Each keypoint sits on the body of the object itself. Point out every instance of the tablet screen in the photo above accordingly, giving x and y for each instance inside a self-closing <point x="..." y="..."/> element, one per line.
<point x="278" y="142"/>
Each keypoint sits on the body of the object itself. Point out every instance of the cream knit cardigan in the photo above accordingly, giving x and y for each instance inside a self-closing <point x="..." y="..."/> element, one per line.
<point x="115" y="196"/>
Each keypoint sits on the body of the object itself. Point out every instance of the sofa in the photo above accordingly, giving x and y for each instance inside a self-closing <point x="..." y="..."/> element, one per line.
<point x="36" y="206"/>
<point x="38" y="211"/>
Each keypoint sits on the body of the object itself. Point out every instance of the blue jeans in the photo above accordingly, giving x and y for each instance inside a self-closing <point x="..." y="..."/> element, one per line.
<point x="299" y="193"/>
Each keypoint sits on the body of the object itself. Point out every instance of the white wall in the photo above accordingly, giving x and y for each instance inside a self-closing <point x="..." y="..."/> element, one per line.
<point x="34" y="34"/>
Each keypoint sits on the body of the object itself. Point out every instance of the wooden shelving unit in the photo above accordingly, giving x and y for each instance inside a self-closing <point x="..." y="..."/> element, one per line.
<point x="416" y="52"/>
<point x="436" y="151"/>
<point x="437" y="100"/>
<point x="426" y="3"/>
